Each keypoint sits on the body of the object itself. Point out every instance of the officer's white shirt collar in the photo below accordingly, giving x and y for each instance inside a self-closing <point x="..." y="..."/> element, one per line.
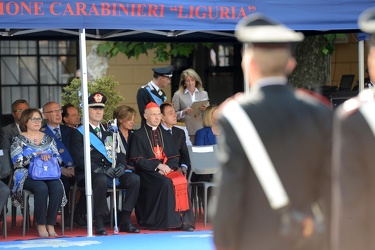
<point x="154" y="85"/>
<point x="94" y="127"/>
<point x="267" y="81"/>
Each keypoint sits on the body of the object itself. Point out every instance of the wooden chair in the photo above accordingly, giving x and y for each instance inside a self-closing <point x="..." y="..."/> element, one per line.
<point x="203" y="161"/>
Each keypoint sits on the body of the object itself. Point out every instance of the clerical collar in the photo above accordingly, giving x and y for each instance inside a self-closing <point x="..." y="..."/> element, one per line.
<point x="154" y="85"/>
<point x="153" y="128"/>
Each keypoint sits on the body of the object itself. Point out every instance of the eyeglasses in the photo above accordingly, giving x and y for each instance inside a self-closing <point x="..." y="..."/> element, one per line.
<point x="59" y="111"/>
<point x="154" y="114"/>
<point x="19" y="111"/>
<point x="34" y="119"/>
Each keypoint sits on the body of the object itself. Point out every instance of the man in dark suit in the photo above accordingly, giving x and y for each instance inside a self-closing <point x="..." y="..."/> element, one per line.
<point x="101" y="167"/>
<point x="8" y="132"/>
<point x="353" y="163"/>
<point x="168" y="120"/>
<point x="61" y="134"/>
<point x="295" y="130"/>
<point x="153" y="91"/>
<point x="70" y="116"/>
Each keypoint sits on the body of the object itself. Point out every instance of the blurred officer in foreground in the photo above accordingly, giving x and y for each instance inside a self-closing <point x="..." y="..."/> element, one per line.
<point x="294" y="128"/>
<point x="353" y="212"/>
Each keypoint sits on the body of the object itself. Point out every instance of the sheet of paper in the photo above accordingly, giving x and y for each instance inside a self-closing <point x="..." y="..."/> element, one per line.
<point x="196" y="105"/>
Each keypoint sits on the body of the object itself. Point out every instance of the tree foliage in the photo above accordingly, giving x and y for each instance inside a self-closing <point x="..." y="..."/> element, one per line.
<point x="106" y="85"/>
<point x="162" y="51"/>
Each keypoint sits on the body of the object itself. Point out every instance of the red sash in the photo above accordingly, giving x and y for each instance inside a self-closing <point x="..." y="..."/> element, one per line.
<point x="180" y="190"/>
<point x="179" y="183"/>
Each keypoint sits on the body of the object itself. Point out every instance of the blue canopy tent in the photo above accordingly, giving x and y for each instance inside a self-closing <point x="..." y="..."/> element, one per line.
<point x="203" y="20"/>
<point x="166" y="19"/>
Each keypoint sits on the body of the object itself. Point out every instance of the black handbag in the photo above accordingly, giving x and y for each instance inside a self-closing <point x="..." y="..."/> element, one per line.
<point x="5" y="163"/>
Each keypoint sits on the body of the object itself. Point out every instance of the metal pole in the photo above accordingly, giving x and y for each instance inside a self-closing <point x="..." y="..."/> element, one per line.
<point x="86" y="130"/>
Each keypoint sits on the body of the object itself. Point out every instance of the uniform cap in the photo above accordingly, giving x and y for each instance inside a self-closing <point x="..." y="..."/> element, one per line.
<point x="164" y="71"/>
<point x="257" y="28"/>
<point x="151" y="105"/>
<point x="366" y="20"/>
<point x="97" y="100"/>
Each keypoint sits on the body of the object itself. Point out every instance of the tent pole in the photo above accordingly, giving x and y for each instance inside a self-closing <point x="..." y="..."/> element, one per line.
<point x="361" y="65"/>
<point x="86" y="130"/>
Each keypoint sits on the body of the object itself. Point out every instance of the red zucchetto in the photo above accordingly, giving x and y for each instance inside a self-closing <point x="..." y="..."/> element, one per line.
<point x="151" y="105"/>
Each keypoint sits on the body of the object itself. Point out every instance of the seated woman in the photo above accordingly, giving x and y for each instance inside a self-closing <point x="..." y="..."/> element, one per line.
<point x="125" y="116"/>
<point x="208" y="134"/>
<point x="48" y="195"/>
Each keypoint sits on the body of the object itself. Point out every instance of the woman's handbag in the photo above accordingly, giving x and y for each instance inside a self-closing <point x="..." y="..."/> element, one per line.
<point x="44" y="170"/>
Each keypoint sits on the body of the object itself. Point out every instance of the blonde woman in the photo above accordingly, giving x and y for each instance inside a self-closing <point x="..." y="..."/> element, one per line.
<point x="190" y="90"/>
<point x="208" y="134"/>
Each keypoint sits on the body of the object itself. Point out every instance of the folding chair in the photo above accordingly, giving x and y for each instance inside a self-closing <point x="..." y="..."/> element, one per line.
<point x="203" y="161"/>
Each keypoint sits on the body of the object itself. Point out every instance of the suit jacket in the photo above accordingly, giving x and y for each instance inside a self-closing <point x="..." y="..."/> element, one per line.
<point x="205" y="136"/>
<point x="179" y="139"/>
<point x="353" y="177"/>
<point x="296" y="132"/>
<point x="6" y="135"/>
<point x="182" y="101"/>
<point x="98" y="160"/>
<point x="66" y="133"/>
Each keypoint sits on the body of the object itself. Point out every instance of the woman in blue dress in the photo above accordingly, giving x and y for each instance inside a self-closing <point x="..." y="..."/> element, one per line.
<point x="207" y="135"/>
<point x="48" y="195"/>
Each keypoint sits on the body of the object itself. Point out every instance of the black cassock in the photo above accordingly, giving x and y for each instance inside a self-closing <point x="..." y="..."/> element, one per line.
<point x="156" y="202"/>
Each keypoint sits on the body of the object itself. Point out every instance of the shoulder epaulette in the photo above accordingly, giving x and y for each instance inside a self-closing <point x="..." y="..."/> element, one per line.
<point x="353" y="104"/>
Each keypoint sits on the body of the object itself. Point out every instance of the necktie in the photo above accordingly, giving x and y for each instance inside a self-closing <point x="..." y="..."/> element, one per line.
<point x="170" y="131"/>
<point x="57" y="133"/>
<point x="97" y="131"/>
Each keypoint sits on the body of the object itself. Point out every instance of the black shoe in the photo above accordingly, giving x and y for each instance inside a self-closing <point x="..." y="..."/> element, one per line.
<point x="186" y="227"/>
<point x="128" y="228"/>
<point x="80" y="220"/>
<point x="101" y="231"/>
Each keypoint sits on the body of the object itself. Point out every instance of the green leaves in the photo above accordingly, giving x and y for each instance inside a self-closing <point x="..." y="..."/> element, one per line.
<point x="329" y="46"/>
<point x="162" y="51"/>
<point x="106" y="85"/>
